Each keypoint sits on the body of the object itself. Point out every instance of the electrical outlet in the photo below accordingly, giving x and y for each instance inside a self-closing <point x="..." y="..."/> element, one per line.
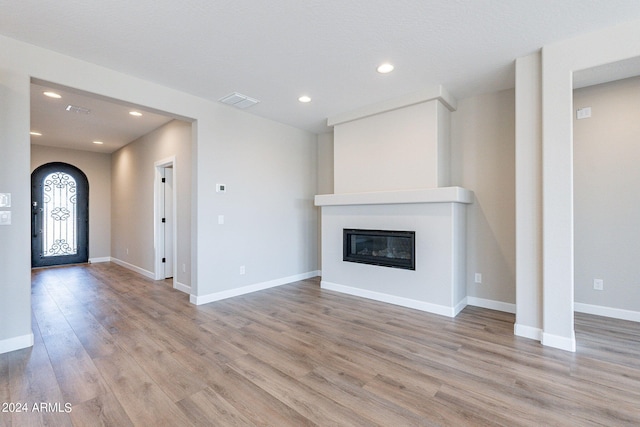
<point x="598" y="284"/>
<point x="184" y="268"/>
<point x="478" y="278"/>
<point x="242" y="269"/>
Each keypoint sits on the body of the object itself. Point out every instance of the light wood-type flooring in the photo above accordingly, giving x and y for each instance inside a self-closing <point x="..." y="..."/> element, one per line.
<point x="119" y="350"/>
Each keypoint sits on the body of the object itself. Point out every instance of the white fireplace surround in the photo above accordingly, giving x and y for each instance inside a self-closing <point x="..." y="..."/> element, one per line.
<point x="392" y="172"/>
<point x="437" y="216"/>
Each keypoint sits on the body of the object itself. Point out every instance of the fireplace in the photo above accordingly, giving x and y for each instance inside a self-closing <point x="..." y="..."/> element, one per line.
<point x="404" y="186"/>
<point x="380" y="247"/>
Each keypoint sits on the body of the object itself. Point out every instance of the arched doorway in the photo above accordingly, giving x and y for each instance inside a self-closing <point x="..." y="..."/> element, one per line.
<point x="59" y="215"/>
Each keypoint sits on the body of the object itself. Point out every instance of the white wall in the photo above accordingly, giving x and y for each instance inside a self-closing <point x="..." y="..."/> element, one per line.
<point x="606" y="199"/>
<point x="270" y="222"/>
<point x="401" y="149"/>
<point x="325" y="178"/>
<point x="15" y="253"/>
<point x="97" y="168"/>
<point x="325" y="163"/>
<point x="132" y="210"/>
<point x="270" y="169"/>
<point x="483" y="160"/>
<point x="559" y="61"/>
<point x="529" y="254"/>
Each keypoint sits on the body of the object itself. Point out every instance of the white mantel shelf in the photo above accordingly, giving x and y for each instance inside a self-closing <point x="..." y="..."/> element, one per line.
<point x="427" y="195"/>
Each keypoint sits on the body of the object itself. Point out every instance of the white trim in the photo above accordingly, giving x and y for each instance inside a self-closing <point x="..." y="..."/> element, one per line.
<point x="425" y="95"/>
<point x="428" y="195"/>
<point x="181" y="287"/>
<point x="230" y="293"/>
<point x="100" y="259"/>
<point x="557" y="341"/>
<point x="392" y="299"/>
<point x="616" y="313"/>
<point x="135" y="268"/>
<point x="527" y="332"/>
<point x="16" y="343"/>
<point x="491" y="304"/>
<point x="460" y="306"/>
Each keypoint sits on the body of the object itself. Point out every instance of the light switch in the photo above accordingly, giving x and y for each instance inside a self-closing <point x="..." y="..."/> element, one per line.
<point x="583" y="113"/>
<point x="5" y="217"/>
<point x="220" y="219"/>
<point x="5" y="200"/>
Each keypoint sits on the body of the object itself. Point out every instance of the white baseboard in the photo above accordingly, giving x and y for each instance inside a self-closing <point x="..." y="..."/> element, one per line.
<point x="135" y="268"/>
<point x="491" y="304"/>
<point x="616" y="313"/>
<point x="230" y="293"/>
<point x="459" y="307"/>
<point x="527" y="332"/>
<point x="99" y="259"/>
<point x="392" y="299"/>
<point x="557" y="341"/>
<point x="16" y="343"/>
<point x="181" y="287"/>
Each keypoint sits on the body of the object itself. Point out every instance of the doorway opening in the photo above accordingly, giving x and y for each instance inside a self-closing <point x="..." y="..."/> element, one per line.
<point x="164" y="219"/>
<point x="59" y="215"/>
<point x="604" y="218"/>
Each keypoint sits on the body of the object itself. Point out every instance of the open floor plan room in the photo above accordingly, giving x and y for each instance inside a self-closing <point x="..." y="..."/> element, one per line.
<point x="115" y="348"/>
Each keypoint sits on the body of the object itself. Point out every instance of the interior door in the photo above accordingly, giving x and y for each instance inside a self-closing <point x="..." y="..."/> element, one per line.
<point x="168" y="222"/>
<point x="59" y="215"/>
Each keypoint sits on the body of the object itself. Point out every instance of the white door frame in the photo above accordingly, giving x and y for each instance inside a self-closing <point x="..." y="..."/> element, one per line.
<point x="158" y="203"/>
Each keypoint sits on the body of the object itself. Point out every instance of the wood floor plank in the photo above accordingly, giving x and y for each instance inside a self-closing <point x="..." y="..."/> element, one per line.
<point x="311" y="404"/>
<point x="207" y="408"/>
<point x="50" y="319"/>
<point x="350" y="392"/>
<point x="246" y="398"/>
<point x="103" y="410"/>
<point x="173" y="378"/>
<point x="96" y="340"/>
<point x="77" y="376"/>
<point x="31" y="382"/>
<point x="127" y="350"/>
<point x="142" y="399"/>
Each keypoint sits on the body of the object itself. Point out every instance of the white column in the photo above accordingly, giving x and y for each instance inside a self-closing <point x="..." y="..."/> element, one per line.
<point x="529" y="197"/>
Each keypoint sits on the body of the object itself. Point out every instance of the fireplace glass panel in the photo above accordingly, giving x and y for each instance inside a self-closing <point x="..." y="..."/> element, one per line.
<point x="380" y="247"/>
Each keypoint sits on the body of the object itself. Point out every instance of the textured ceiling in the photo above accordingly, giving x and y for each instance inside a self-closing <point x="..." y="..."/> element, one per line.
<point x="107" y="121"/>
<point x="277" y="50"/>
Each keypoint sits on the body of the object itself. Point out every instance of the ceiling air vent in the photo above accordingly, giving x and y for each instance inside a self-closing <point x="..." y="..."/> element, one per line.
<point x="238" y="100"/>
<point x="77" y="110"/>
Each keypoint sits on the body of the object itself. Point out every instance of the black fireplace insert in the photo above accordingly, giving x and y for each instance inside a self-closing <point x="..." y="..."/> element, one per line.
<point x="380" y="247"/>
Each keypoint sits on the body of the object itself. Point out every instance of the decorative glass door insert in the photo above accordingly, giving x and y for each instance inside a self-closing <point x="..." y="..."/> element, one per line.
<point x="59" y="215"/>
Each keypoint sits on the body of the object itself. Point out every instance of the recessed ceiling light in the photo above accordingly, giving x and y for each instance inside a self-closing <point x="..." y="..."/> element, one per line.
<point x="385" y="68"/>
<point x="135" y="113"/>
<point x="35" y="133"/>
<point x="98" y="142"/>
<point x="52" y="95"/>
<point x="304" y="98"/>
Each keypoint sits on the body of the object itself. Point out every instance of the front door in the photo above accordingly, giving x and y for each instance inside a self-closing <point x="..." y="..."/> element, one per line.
<point x="59" y="215"/>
